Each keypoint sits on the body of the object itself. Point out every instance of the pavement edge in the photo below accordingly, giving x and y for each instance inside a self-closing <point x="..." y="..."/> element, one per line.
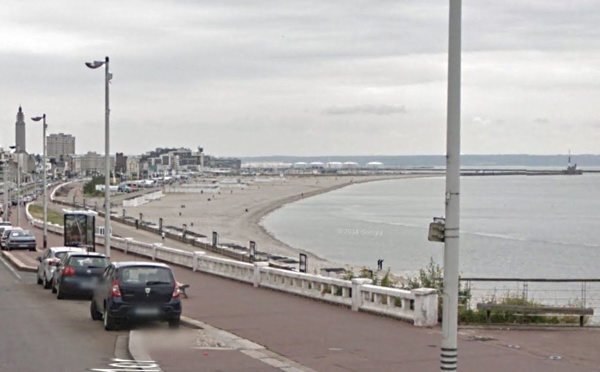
<point x="17" y="263"/>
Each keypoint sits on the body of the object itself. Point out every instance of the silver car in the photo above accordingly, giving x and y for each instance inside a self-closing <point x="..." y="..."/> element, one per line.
<point x="49" y="261"/>
<point x="6" y="233"/>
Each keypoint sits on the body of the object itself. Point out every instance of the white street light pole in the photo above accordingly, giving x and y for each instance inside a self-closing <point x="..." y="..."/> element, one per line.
<point x="449" y="350"/>
<point x="43" y="118"/>
<point x="16" y="148"/>
<point x="5" y="182"/>
<point x="107" y="77"/>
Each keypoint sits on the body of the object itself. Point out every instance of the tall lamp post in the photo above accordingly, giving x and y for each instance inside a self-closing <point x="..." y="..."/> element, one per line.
<point x="5" y="184"/>
<point x="45" y="126"/>
<point x="449" y="352"/>
<point x="16" y="148"/>
<point x="107" y="78"/>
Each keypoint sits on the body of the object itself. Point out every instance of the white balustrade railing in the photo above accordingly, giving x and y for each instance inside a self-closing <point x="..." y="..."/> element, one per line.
<point x="419" y="306"/>
<point x="142" y="199"/>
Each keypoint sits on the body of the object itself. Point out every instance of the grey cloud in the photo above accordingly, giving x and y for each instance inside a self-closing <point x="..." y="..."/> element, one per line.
<point x="366" y="110"/>
<point x="542" y="120"/>
<point x="227" y="72"/>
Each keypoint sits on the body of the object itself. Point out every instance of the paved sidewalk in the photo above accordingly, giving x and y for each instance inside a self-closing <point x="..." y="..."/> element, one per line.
<point x="322" y="337"/>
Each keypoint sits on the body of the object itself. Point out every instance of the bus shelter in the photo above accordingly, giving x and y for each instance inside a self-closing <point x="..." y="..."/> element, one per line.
<point x="80" y="228"/>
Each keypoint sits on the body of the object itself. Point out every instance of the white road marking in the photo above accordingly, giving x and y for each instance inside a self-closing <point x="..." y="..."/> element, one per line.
<point x="15" y="273"/>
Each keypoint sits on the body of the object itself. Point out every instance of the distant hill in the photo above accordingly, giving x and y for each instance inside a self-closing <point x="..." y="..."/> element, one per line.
<point x="440" y="160"/>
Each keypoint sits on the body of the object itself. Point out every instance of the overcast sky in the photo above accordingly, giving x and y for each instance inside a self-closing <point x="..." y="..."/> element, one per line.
<point x="247" y="78"/>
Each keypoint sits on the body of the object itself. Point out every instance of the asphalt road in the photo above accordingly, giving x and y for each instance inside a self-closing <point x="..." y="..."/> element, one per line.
<point x="40" y="333"/>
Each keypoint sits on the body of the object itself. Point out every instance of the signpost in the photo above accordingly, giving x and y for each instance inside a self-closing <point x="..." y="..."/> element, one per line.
<point x="252" y="251"/>
<point x="215" y="238"/>
<point x="303" y="262"/>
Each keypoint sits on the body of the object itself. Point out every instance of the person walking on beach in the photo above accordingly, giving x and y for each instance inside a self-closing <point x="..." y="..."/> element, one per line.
<point x="162" y="235"/>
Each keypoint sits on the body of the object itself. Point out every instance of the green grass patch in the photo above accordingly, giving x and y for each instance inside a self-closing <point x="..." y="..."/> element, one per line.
<point x="37" y="211"/>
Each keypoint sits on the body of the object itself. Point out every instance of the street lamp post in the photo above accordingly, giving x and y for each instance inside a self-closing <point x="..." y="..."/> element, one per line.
<point x="16" y="148"/>
<point x="45" y="126"/>
<point x="107" y="77"/>
<point x="449" y="352"/>
<point x="5" y="186"/>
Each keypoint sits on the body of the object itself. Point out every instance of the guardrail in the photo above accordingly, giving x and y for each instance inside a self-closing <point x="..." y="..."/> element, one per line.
<point x="554" y="292"/>
<point x="419" y="306"/>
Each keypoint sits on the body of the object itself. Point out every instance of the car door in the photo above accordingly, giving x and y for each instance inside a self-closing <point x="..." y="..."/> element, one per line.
<point x="58" y="270"/>
<point x="103" y="288"/>
<point x="42" y="264"/>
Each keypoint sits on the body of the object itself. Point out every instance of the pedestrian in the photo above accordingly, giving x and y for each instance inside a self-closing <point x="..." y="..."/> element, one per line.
<point x="162" y="235"/>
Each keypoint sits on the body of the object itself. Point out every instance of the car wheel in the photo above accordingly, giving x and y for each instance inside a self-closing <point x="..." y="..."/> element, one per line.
<point x="47" y="284"/>
<point x="39" y="280"/>
<point x="174" y="323"/>
<point x="96" y="315"/>
<point x="32" y="249"/>
<point x="59" y="294"/>
<point x="110" y="323"/>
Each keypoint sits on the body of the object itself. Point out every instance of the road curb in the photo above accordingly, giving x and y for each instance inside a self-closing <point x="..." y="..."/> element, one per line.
<point x="137" y="350"/>
<point x="17" y="263"/>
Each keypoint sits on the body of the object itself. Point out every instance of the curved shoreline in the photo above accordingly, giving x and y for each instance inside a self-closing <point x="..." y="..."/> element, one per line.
<point x="277" y="204"/>
<point x="236" y="213"/>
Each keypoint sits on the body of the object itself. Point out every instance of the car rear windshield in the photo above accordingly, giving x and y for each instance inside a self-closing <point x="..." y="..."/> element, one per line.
<point x="87" y="261"/>
<point x="18" y="233"/>
<point x="146" y="275"/>
<point x="61" y="254"/>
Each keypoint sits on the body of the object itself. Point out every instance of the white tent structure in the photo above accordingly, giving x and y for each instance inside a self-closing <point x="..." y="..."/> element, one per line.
<point x="374" y="164"/>
<point x="300" y="165"/>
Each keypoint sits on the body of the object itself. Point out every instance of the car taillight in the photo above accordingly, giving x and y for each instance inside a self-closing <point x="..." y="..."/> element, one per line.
<point x="53" y="262"/>
<point x="176" y="292"/>
<point x="115" y="291"/>
<point x="68" y="271"/>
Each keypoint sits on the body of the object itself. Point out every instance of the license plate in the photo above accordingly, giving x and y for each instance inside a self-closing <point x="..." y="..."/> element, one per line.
<point x="146" y="311"/>
<point x="86" y="285"/>
<point x="22" y="245"/>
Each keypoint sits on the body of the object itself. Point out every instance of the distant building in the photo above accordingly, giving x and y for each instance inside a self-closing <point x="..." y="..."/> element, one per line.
<point x="90" y="164"/>
<point x="121" y="163"/>
<point x="20" y="132"/>
<point x="133" y="167"/>
<point x="164" y="161"/>
<point x="60" y="145"/>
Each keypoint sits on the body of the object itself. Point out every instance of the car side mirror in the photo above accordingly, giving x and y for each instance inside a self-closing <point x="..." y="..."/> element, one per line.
<point x="38" y="259"/>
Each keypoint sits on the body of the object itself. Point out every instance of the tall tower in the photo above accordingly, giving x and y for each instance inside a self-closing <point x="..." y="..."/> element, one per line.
<point x="20" y="131"/>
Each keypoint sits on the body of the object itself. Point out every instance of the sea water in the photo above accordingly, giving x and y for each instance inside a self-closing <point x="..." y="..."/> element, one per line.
<point x="510" y="226"/>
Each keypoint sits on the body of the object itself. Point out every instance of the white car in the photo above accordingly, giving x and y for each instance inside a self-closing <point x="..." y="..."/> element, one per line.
<point x="50" y="261"/>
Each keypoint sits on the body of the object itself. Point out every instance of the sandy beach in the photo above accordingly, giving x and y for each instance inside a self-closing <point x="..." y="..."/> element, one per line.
<point x="235" y="212"/>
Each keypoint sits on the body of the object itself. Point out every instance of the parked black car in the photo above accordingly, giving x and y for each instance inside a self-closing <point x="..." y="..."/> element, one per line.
<point x="78" y="274"/>
<point x="136" y="291"/>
